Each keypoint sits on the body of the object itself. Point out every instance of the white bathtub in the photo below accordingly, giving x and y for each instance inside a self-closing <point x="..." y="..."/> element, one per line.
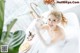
<point x="71" y="31"/>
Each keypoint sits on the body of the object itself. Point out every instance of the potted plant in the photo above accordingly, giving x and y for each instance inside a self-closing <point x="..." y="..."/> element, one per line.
<point x="12" y="40"/>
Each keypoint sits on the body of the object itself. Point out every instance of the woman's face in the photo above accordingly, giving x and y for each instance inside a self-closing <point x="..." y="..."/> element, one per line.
<point x="53" y="21"/>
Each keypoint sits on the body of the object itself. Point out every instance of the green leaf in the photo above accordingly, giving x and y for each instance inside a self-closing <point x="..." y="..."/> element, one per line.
<point x="18" y="38"/>
<point x="3" y="42"/>
<point x="1" y="16"/>
<point x="9" y="26"/>
<point x="13" y="40"/>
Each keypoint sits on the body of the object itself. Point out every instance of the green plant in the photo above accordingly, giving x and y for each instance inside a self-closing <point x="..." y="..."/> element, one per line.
<point x="12" y="39"/>
<point x="1" y="16"/>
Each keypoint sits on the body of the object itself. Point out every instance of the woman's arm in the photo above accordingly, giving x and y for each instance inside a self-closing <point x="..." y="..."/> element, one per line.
<point x="41" y="38"/>
<point x="53" y="40"/>
<point x="44" y="26"/>
<point x="41" y="25"/>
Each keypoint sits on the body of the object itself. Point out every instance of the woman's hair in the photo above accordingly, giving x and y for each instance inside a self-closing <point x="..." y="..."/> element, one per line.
<point x="59" y="15"/>
<point x="64" y="20"/>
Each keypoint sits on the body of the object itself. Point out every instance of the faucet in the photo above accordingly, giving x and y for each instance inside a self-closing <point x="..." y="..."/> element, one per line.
<point x="34" y="9"/>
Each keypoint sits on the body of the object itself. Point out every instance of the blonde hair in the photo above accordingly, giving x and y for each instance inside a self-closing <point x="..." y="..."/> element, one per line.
<point x="59" y="15"/>
<point x="64" y="20"/>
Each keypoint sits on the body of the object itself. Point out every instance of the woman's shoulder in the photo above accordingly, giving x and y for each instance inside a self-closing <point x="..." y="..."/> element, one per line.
<point x="60" y="28"/>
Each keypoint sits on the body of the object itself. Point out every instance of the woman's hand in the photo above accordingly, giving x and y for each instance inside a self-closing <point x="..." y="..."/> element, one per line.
<point x="39" y="23"/>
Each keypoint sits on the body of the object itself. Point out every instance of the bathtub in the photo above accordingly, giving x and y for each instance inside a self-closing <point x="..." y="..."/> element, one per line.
<point x="71" y="31"/>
